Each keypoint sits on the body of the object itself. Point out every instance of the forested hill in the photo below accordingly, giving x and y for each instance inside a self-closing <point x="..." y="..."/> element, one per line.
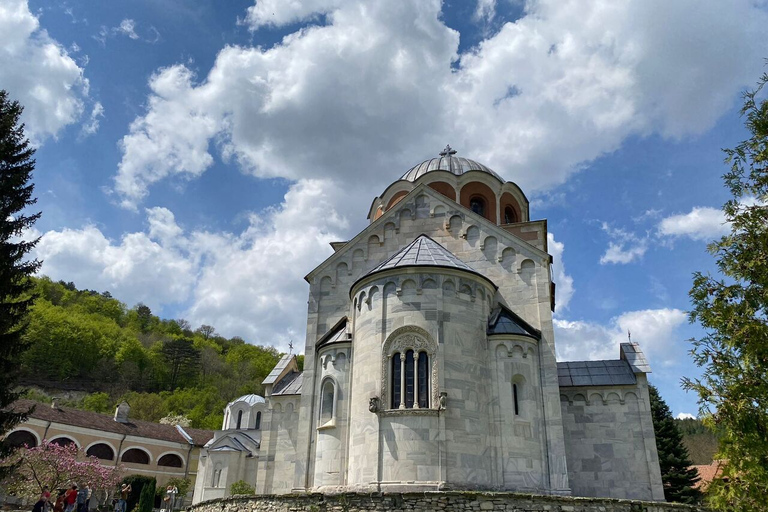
<point x="88" y="341"/>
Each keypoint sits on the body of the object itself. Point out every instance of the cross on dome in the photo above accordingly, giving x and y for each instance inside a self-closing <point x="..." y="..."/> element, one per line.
<point x="448" y="151"/>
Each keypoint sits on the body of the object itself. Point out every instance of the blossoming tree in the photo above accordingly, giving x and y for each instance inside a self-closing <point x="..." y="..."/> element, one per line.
<point x="57" y="467"/>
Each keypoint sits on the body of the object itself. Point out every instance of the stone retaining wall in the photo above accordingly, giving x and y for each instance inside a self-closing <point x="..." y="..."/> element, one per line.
<point x="432" y="501"/>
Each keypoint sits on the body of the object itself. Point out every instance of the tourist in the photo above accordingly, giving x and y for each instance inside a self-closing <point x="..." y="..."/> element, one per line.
<point x="82" y="499"/>
<point x="39" y="506"/>
<point x="70" y="499"/>
<point x="122" y="503"/>
<point x="58" y="506"/>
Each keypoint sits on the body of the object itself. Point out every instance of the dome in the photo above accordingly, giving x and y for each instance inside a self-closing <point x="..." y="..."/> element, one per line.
<point x="447" y="162"/>
<point x="248" y="399"/>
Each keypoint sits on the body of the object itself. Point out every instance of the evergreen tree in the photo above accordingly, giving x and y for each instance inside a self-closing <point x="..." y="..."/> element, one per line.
<point x="733" y="309"/>
<point x="677" y="475"/>
<point x="16" y="166"/>
<point x="147" y="497"/>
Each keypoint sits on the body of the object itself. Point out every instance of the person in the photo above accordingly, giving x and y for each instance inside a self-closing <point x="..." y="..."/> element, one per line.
<point x="39" y="506"/>
<point x="122" y="503"/>
<point x="82" y="498"/>
<point x="58" y="506"/>
<point x="170" y="496"/>
<point x="45" y="496"/>
<point x="70" y="499"/>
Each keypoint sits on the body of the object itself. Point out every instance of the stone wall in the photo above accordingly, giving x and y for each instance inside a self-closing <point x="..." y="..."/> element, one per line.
<point x="433" y="501"/>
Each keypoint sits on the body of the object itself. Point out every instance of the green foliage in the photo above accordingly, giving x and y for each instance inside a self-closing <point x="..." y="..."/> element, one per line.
<point x="137" y="483"/>
<point x="733" y="309"/>
<point x="241" y="487"/>
<point x="182" y="484"/>
<point x="677" y="475"/>
<point x="700" y="441"/>
<point x="147" y="497"/>
<point x="16" y="166"/>
<point x="98" y="402"/>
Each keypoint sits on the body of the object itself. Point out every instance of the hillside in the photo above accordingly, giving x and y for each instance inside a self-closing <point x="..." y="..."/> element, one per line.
<point x="97" y="351"/>
<point x="699" y="440"/>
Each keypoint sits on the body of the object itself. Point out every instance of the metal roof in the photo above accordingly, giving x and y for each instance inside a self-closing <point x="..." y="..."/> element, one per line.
<point x="291" y="384"/>
<point x="447" y="162"/>
<point x="423" y="251"/>
<point x="278" y="369"/>
<point x="631" y="353"/>
<point x="248" y="399"/>
<point x="595" y="373"/>
<point x="339" y="333"/>
<point x="505" y="321"/>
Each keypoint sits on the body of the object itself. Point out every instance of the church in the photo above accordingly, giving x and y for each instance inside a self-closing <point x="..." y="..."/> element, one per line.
<point x="430" y="365"/>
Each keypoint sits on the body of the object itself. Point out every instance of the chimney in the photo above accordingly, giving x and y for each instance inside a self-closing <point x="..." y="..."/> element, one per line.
<point x="55" y="402"/>
<point x="121" y="413"/>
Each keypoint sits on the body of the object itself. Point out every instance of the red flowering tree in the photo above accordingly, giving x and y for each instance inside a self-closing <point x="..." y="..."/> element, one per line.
<point x="57" y="467"/>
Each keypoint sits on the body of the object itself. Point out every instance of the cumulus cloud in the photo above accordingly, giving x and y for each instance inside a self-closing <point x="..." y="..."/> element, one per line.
<point x="375" y="84"/>
<point x="654" y="329"/>
<point x="92" y="126"/>
<point x="563" y="282"/>
<point x="685" y="416"/>
<point x="248" y="284"/>
<point x="624" y="246"/>
<point x="38" y="72"/>
<point x="701" y="223"/>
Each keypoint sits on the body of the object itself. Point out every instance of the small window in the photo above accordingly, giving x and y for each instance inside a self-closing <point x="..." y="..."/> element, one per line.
<point x="239" y="419"/>
<point x="170" y="460"/>
<point x="409" y="379"/>
<point x="216" y="476"/>
<point x="101" y="451"/>
<point x="135" y="456"/>
<point x="509" y="215"/>
<point x="423" y="380"/>
<point x="258" y="420"/>
<point x="326" y="402"/>
<point x="396" y="392"/>
<point x="515" y="399"/>
<point x="477" y="205"/>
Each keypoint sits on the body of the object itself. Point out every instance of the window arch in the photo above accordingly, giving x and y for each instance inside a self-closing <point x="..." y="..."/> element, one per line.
<point x="477" y="205"/>
<point x="216" y="480"/>
<point x="135" y="456"/>
<point x="101" y="451"/>
<point x="258" y="420"/>
<point x="327" y="402"/>
<point x="170" y="460"/>
<point x="509" y="215"/>
<point x="63" y="441"/>
<point x="20" y="438"/>
<point x="409" y="370"/>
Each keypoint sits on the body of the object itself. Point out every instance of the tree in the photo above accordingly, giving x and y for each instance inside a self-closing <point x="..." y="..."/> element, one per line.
<point x="733" y="309"/>
<point x="241" y="487"/>
<point x="56" y="467"/>
<point x="183" y="359"/>
<point x="147" y="497"/>
<point x="206" y="330"/>
<point x="16" y="166"/>
<point x="677" y="475"/>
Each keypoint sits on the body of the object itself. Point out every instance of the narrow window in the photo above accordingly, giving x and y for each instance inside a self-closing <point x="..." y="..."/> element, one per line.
<point x="326" y="402"/>
<point x="409" y="379"/>
<point x="258" y="420"/>
<point x="396" y="381"/>
<point x="477" y="205"/>
<point x="509" y="215"/>
<point x="514" y="397"/>
<point x="239" y="419"/>
<point x="423" y="380"/>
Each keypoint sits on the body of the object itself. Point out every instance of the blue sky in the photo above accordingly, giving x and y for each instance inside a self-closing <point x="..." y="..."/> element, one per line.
<point x="199" y="156"/>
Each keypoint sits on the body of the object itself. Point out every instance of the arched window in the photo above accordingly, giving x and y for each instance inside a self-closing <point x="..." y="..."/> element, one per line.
<point x="239" y="419"/>
<point x="516" y="399"/>
<point x="408" y="366"/>
<point x="477" y="205"/>
<point x="258" y="420"/>
<point x="216" y="480"/>
<point x="396" y="394"/>
<point x="423" y="384"/>
<point x="21" y="438"/>
<point x="135" y="456"/>
<point x="509" y="215"/>
<point x="63" y="441"/>
<point x="412" y="373"/>
<point x="327" y="402"/>
<point x="101" y="451"/>
<point x="170" y="460"/>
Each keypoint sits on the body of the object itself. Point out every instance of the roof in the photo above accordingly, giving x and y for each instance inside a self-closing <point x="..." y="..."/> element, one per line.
<point x="291" y="384"/>
<point x="339" y="333"/>
<point x="423" y="252"/>
<point x="248" y="399"/>
<point x="505" y="321"/>
<point x="707" y="473"/>
<point x="595" y="373"/>
<point x="278" y="369"/>
<point x="631" y="353"/>
<point x="447" y="162"/>
<point x="106" y="423"/>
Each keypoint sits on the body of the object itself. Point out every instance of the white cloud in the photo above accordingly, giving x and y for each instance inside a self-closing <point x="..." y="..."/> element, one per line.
<point x="127" y="27"/>
<point x="485" y="10"/>
<point x="248" y="284"/>
<point x="685" y="416"/>
<point x="701" y="223"/>
<point x="563" y="282"/>
<point x="624" y="247"/>
<point x="377" y="86"/>
<point x="38" y="72"/>
<point x="92" y="126"/>
<point x="654" y="329"/>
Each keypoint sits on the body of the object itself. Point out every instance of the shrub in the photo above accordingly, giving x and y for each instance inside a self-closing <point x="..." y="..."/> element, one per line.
<point x="241" y="487"/>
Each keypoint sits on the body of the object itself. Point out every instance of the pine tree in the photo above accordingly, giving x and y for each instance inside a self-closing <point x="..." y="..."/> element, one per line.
<point x="147" y="497"/>
<point x="16" y="166"/>
<point x="733" y="309"/>
<point x="677" y="475"/>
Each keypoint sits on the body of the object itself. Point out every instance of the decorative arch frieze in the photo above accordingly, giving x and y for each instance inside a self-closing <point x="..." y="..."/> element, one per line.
<point x="336" y="357"/>
<point x="597" y="396"/>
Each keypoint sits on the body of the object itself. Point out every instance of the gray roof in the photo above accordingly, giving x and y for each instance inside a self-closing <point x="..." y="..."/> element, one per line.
<point x="422" y="252"/>
<point x="290" y="384"/>
<point x="631" y="353"/>
<point x="278" y="369"/>
<point x="447" y="162"/>
<point x="505" y="321"/>
<point x="339" y="333"/>
<point x="248" y="399"/>
<point x="595" y="373"/>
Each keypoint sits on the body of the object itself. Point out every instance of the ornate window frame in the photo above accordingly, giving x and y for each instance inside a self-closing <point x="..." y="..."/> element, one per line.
<point x="400" y="341"/>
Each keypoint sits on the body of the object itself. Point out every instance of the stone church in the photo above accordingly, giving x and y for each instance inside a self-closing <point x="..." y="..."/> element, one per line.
<point x="430" y="365"/>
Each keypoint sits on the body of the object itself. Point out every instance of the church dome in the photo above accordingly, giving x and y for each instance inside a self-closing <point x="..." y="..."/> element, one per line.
<point x="447" y="162"/>
<point x="248" y="399"/>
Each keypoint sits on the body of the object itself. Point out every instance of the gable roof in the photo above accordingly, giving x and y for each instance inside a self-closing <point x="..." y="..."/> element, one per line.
<point x="423" y="252"/>
<point x="373" y="227"/>
<point x="291" y="384"/>
<point x="339" y="333"/>
<point x="105" y="423"/>
<point x="278" y="369"/>
<point x="631" y="353"/>
<point x="505" y="321"/>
